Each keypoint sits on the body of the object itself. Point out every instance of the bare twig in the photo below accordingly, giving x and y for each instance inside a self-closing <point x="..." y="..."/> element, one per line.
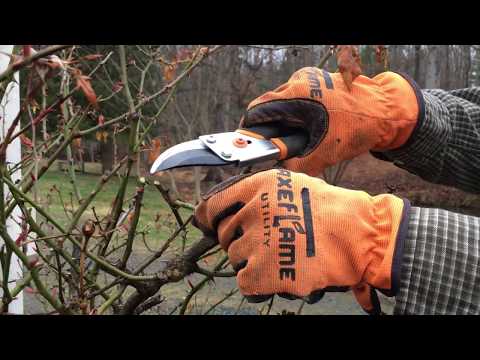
<point x="151" y="302"/>
<point x="222" y="300"/>
<point x="327" y="56"/>
<point x="27" y="61"/>
<point x="194" y="63"/>
<point x="165" y="246"/>
<point x="170" y="202"/>
<point x="175" y="270"/>
<point x="200" y="285"/>
<point x="133" y="222"/>
<point x="300" y="308"/>
<point x="205" y="272"/>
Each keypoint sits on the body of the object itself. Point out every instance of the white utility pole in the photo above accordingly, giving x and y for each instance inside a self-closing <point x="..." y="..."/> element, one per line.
<point x="9" y="108"/>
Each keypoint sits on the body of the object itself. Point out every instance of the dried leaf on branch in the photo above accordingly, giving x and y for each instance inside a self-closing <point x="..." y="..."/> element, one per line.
<point x="91" y="57"/>
<point x="22" y="237"/>
<point x="381" y="55"/>
<point x="101" y="136"/>
<point x="26" y="141"/>
<point x="27" y="50"/>
<point x="204" y="51"/>
<point x="169" y="72"/>
<point x="118" y="86"/>
<point x="83" y="82"/>
<point x="349" y="64"/>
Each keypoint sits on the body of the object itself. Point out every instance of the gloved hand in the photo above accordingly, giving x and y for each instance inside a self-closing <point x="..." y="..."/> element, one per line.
<point x="294" y="235"/>
<point x="377" y="114"/>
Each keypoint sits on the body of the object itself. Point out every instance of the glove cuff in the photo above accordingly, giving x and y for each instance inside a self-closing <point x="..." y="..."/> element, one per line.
<point x="403" y="110"/>
<point x="398" y="250"/>
<point x="384" y="274"/>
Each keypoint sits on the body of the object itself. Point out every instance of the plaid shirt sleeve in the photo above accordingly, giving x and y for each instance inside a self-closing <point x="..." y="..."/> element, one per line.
<point x="440" y="264"/>
<point x="445" y="145"/>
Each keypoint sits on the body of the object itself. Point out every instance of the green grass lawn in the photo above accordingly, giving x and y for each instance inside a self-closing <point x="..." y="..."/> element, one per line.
<point x="153" y="206"/>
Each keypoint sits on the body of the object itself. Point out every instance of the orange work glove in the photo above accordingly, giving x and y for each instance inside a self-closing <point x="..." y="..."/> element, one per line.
<point x="294" y="235"/>
<point x="377" y="114"/>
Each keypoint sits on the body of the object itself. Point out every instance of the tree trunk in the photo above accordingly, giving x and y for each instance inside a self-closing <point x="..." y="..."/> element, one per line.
<point x="432" y="69"/>
<point x="444" y="60"/>
<point x="106" y="153"/>
<point x="393" y="57"/>
<point x="198" y="191"/>
<point x="214" y="174"/>
<point x="308" y="57"/>
<point x="467" y="53"/>
<point x="82" y="161"/>
<point x="91" y="151"/>
<point x="138" y="165"/>
<point x="173" y="184"/>
<point x="416" y="74"/>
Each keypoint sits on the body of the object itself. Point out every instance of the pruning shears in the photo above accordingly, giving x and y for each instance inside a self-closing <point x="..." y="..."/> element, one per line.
<point x="242" y="147"/>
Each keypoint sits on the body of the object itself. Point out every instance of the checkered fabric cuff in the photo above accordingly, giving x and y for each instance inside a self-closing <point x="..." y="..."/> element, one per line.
<point x="440" y="271"/>
<point x="445" y="145"/>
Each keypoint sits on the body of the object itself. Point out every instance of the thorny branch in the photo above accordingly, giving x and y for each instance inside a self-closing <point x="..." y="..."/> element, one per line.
<point x="89" y="295"/>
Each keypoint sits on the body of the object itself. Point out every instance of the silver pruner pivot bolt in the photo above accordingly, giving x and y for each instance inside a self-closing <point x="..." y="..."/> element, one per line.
<point x="226" y="155"/>
<point x="211" y="139"/>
